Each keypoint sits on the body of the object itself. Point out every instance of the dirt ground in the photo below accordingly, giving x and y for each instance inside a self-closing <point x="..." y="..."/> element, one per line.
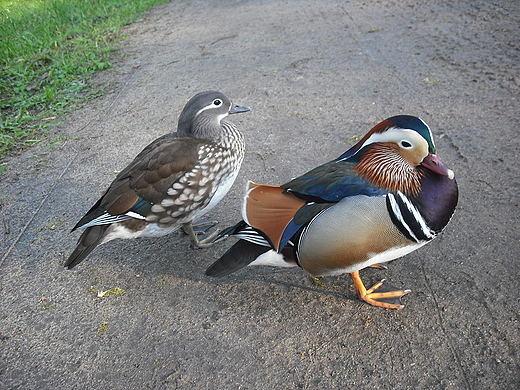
<point x="316" y="75"/>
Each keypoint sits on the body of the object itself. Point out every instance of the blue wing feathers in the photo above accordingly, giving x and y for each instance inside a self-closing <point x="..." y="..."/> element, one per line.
<point x="331" y="182"/>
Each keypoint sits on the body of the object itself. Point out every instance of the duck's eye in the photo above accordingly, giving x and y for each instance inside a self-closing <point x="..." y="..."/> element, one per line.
<point x="217" y="102"/>
<point x="405" y="144"/>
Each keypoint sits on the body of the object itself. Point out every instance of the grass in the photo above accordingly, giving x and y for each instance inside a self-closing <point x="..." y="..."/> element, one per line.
<point x="49" y="49"/>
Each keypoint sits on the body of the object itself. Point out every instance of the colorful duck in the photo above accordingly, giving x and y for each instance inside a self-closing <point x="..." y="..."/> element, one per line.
<point x="385" y="197"/>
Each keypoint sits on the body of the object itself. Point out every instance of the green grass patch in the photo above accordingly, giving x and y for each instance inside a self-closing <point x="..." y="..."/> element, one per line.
<point x="49" y="49"/>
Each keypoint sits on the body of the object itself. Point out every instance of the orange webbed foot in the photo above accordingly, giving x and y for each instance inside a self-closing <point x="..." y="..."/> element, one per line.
<point x="384" y="298"/>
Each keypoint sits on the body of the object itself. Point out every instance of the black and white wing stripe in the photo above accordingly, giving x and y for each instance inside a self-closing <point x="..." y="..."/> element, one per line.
<point x="107" y="219"/>
<point x="408" y="218"/>
<point x="244" y="232"/>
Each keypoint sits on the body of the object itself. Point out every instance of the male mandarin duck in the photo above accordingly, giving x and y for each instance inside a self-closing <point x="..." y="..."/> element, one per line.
<point x="385" y="197"/>
<point x="175" y="180"/>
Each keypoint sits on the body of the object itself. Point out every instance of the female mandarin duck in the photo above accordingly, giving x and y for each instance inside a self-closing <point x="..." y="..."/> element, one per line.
<point x="175" y="180"/>
<point x="385" y="197"/>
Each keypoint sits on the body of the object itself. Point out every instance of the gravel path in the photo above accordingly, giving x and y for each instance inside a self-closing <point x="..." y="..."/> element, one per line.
<point x="316" y="74"/>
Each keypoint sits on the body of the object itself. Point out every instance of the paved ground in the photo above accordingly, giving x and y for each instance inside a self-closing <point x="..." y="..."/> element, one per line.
<point x="316" y="74"/>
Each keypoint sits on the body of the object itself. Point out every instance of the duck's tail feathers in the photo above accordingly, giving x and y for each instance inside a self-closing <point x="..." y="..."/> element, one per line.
<point x="237" y="257"/>
<point x="88" y="240"/>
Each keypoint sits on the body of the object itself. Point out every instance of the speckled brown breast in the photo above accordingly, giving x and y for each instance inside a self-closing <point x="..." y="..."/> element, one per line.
<point x="204" y="183"/>
<point x="194" y="190"/>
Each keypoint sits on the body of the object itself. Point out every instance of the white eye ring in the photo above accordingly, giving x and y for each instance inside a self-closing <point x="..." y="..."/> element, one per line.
<point x="405" y="144"/>
<point x="217" y="102"/>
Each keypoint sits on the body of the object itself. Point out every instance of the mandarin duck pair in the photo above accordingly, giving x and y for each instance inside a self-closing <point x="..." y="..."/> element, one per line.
<point x="383" y="198"/>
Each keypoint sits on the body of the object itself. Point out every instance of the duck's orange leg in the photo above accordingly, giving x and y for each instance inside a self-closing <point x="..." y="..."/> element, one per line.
<point x="375" y="298"/>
